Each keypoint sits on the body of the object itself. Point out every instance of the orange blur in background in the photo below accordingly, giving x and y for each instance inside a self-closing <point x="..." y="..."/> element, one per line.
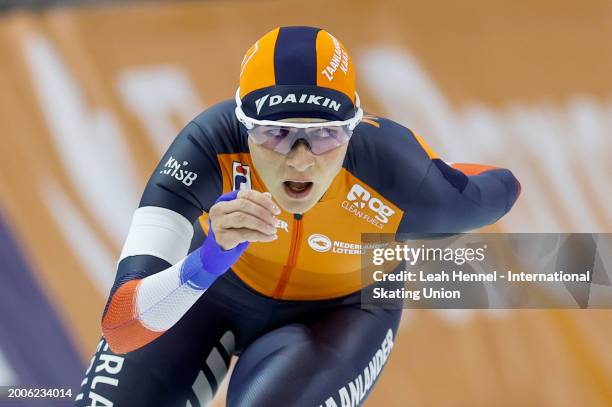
<point x="90" y="97"/>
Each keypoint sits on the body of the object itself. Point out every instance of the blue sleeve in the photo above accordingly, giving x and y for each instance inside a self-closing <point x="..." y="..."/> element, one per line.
<point x="448" y="201"/>
<point x="434" y="197"/>
<point x="187" y="179"/>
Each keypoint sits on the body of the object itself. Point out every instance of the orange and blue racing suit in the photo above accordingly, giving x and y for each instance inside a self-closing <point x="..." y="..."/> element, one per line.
<point x="290" y="309"/>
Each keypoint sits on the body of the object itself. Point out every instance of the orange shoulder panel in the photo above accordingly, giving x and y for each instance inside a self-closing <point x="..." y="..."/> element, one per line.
<point x="472" y="169"/>
<point x="427" y="149"/>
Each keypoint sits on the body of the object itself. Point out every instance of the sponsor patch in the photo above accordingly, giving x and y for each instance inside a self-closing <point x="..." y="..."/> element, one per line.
<point x="241" y="174"/>
<point x="177" y="170"/>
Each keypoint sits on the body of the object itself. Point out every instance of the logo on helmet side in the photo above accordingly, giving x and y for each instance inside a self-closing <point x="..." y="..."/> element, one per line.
<point x="293" y="98"/>
<point x="339" y="59"/>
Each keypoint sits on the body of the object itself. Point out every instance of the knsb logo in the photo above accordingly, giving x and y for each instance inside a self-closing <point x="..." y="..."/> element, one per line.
<point x="292" y="98"/>
<point x="319" y="243"/>
<point x="358" y="197"/>
<point x="241" y="174"/>
<point x="174" y="169"/>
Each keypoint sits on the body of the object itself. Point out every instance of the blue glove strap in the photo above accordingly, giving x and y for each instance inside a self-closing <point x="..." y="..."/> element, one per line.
<point x="205" y="264"/>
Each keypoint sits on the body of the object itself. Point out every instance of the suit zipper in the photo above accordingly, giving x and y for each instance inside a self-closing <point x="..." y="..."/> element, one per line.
<point x="294" y="249"/>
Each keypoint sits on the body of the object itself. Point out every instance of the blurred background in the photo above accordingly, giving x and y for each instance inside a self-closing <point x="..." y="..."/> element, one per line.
<point x="92" y="93"/>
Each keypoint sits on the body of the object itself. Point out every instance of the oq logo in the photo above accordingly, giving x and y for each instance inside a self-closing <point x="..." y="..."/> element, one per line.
<point x="319" y="243"/>
<point x="359" y="196"/>
<point x="241" y="174"/>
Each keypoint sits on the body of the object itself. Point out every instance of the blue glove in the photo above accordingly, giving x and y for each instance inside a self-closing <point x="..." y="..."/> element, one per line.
<point x="205" y="264"/>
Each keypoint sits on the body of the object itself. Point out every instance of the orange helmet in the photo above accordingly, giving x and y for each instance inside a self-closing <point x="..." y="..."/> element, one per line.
<point x="297" y="72"/>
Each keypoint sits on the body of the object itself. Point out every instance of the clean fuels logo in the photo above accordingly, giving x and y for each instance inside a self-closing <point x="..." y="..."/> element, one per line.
<point x="362" y="204"/>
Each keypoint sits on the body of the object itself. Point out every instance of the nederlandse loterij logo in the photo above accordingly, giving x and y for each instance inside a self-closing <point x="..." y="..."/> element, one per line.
<point x="358" y="197"/>
<point x="175" y="170"/>
<point x="241" y="174"/>
<point x="319" y="243"/>
<point x="293" y="98"/>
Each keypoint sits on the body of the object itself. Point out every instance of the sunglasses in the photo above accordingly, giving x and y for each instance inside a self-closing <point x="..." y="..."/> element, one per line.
<point x="281" y="136"/>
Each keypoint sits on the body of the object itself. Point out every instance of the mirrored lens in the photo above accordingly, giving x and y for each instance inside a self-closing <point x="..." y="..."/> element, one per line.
<point x="281" y="139"/>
